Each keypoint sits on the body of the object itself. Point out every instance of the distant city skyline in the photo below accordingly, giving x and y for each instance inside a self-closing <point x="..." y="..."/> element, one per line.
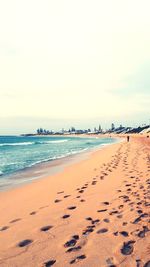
<point x="30" y="125"/>
<point x="73" y="63"/>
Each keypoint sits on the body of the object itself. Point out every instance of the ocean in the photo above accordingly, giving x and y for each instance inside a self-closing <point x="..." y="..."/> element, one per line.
<point x="19" y="153"/>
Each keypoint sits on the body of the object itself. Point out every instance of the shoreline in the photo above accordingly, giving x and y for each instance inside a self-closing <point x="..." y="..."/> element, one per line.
<point x="46" y="168"/>
<point x="103" y="196"/>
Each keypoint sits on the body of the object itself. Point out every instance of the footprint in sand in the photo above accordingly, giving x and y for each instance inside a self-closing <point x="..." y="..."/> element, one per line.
<point x="106" y="220"/>
<point x="33" y="213"/>
<point x="65" y="216"/>
<point x="105" y="203"/>
<point x="57" y="200"/>
<point x="46" y="228"/>
<point x="67" y="196"/>
<point x="103" y="210"/>
<point x="88" y="219"/>
<point x="109" y="262"/>
<point x="82" y="200"/>
<point x="116" y="233"/>
<point x="113" y="212"/>
<point x="94" y="183"/>
<point x="4" y="228"/>
<point x="71" y="243"/>
<point x="49" y="263"/>
<point x="24" y="243"/>
<point x="119" y="216"/>
<point x="71" y="208"/>
<point x="127" y="247"/>
<point x="81" y="191"/>
<point x="78" y="258"/>
<point x="138" y="263"/>
<point x="88" y="230"/>
<point x="120" y="206"/>
<point x="142" y="233"/>
<point x="102" y="231"/>
<point x="73" y="249"/>
<point x="147" y="264"/>
<point x="76" y="237"/>
<point x="83" y="187"/>
<point x="15" y="220"/>
<point x="95" y="221"/>
<point x="124" y="233"/>
<point x="138" y="219"/>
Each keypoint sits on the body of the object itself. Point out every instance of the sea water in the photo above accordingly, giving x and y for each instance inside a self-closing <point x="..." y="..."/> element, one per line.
<point x="17" y="153"/>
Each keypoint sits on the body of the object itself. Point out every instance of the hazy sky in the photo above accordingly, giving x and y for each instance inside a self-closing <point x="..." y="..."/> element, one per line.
<point x="73" y="61"/>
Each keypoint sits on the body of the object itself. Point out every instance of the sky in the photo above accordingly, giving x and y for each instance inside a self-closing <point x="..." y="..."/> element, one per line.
<point x="80" y="63"/>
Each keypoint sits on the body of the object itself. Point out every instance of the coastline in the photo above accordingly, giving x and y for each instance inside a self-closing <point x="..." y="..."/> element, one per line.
<point x="47" y="167"/>
<point x="104" y="176"/>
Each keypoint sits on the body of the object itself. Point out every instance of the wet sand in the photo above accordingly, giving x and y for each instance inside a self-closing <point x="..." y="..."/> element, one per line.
<point x="94" y="213"/>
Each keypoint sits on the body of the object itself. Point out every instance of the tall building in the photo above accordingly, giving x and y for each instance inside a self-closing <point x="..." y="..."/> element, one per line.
<point x="112" y="127"/>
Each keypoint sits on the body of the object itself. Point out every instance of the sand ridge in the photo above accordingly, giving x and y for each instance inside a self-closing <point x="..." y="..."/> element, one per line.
<point x="95" y="213"/>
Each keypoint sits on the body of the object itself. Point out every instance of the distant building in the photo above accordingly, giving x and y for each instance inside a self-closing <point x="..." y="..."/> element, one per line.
<point x="100" y="129"/>
<point x="112" y="127"/>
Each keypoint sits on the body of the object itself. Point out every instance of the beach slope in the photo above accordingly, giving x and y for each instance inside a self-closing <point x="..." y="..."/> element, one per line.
<point x="95" y="213"/>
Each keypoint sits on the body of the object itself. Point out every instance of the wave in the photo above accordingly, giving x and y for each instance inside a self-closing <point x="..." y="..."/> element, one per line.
<point x="57" y="157"/>
<point x="33" y="143"/>
<point x="53" y="142"/>
<point x="26" y="165"/>
<point x="17" y="144"/>
<point x="44" y="160"/>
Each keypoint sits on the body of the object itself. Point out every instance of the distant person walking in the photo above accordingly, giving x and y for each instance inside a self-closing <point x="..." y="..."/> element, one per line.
<point x="128" y="138"/>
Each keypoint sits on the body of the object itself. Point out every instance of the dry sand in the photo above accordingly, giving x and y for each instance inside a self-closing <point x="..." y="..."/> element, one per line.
<point x="95" y="213"/>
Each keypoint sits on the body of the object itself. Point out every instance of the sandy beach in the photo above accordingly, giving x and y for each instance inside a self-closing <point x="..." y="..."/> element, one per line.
<point x="95" y="213"/>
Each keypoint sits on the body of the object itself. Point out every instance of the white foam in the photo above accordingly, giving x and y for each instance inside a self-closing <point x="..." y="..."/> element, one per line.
<point x="32" y="143"/>
<point x="55" y="142"/>
<point x="17" y="144"/>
